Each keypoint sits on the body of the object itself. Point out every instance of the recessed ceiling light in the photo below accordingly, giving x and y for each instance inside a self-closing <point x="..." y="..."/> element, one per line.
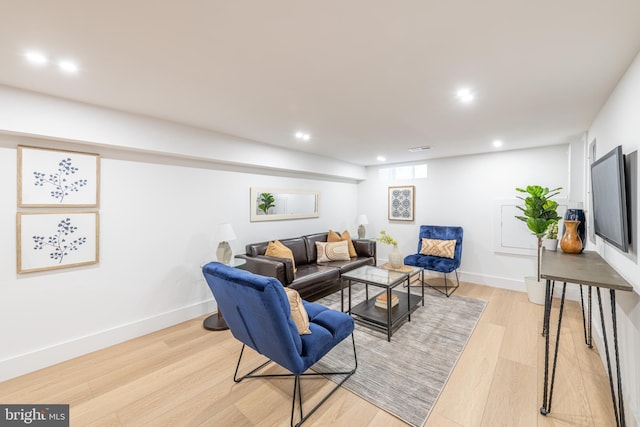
<point x="465" y="95"/>
<point x="497" y="143"/>
<point x="36" y="57"/>
<point x="68" y="66"/>
<point x="381" y="158"/>
<point x="418" y="149"/>
<point x="303" y="136"/>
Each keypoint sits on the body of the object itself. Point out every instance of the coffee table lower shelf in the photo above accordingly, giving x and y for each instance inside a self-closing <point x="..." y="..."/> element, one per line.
<point x="366" y="312"/>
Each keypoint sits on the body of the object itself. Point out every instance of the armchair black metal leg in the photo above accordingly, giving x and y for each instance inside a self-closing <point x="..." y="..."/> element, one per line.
<point x="250" y="374"/>
<point x="297" y="384"/>
<point x="347" y="374"/>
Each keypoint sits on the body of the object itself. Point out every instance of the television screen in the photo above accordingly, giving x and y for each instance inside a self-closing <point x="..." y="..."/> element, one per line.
<point x="609" y="202"/>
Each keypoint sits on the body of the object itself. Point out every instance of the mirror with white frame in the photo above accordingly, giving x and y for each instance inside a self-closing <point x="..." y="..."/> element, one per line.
<point x="273" y="204"/>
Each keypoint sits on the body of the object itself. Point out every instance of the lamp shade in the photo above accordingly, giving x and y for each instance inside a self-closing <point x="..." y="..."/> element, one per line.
<point x="225" y="232"/>
<point x="362" y="220"/>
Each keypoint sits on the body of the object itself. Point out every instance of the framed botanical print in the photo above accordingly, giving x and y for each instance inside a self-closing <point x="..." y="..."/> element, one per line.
<point x="56" y="178"/>
<point x="56" y="239"/>
<point x="401" y="203"/>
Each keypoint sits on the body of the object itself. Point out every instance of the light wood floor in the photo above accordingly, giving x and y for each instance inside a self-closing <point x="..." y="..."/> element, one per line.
<point x="182" y="376"/>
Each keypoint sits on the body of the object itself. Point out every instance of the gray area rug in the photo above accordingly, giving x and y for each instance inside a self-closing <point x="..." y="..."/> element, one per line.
<point x="405" y="376"/>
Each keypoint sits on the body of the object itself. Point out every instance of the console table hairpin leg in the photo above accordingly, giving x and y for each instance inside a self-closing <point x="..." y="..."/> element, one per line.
<point x="618" y="404"/>
<point x="589" y="269"/>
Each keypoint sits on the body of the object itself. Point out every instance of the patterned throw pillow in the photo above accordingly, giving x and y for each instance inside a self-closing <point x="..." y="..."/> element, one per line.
<point x="298" y="312"/>
<point x="334" y="237"/>
<point x="435" y="247"/>
<point x="332" y="251"/>
<point x="279" y="250"/>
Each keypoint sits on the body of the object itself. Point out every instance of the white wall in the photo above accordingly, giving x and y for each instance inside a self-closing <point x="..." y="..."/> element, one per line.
<point x="462" y="191"/>
<point x="617" y="124"/>
<point x="158" y="216"/>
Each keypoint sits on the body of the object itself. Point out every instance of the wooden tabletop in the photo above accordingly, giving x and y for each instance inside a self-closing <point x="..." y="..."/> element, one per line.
<point x="587" y="268"/>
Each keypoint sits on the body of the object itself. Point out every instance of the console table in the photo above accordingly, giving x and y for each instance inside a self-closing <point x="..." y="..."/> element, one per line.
<point x="590" y="269"/>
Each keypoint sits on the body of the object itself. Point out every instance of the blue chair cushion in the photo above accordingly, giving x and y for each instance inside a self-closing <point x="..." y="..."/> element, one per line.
<point x="429" y="262"/>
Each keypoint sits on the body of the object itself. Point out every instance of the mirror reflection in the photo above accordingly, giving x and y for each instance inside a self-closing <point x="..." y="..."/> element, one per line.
<point x="268" y="204"/>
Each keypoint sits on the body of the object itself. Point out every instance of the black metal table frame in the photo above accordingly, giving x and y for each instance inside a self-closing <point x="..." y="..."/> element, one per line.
<point x="389" y="289"/>
<point x="617" y="400"/>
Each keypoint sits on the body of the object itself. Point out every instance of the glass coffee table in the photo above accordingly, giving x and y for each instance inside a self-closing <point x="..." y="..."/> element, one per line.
<point x="392" y="317"/>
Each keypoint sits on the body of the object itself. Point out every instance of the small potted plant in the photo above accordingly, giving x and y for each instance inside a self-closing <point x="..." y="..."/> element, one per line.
<point x="550" y="241"/>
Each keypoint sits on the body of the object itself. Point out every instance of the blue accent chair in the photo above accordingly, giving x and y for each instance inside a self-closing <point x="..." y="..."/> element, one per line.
<point x="435" y="263"/>
<point x="257" y="311"/>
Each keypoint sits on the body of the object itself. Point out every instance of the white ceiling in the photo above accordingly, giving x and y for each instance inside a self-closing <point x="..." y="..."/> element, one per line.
<point x="363" y="77"/>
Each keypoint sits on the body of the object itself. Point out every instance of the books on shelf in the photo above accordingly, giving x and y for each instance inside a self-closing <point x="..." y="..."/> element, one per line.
<point x="381" y="300"/>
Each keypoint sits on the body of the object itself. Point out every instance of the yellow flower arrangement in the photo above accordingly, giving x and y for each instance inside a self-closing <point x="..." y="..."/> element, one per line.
<point x="386" y="239"/>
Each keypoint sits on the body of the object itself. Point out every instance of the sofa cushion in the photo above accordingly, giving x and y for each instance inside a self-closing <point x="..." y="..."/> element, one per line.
<point x="298" y="312"/>
<point x="299" y="249"/>
<point x="311" y="239"/>
<point x="332" y="251"/>
<point x="352" y="264"/>
<point x="345" y="236"/>
<point x="436" y="247"/>
<point x="313" y="273"/>
<point x="278" y="250"/>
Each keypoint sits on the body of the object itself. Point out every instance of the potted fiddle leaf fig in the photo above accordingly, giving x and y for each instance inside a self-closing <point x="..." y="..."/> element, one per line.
<point x="538" y="212"/>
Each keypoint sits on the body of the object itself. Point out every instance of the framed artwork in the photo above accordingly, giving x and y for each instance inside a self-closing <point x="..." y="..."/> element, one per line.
<point x="401" y="203"/>
<point x="56" y="239"/>
<point x="56" y="178"/>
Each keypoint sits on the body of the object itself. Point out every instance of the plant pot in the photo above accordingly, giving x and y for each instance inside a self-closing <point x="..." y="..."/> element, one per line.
<point x="535" y="289"/>
<point x="395" y="258"/>
<point x="550" y="244"/>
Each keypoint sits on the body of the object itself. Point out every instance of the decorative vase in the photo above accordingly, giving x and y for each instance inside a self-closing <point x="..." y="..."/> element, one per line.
<point x="571" y="242"/>
<point x="395" y="258"/>
<point x="577" y="215"/>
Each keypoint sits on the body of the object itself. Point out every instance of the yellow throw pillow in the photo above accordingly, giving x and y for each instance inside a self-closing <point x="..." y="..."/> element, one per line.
<point x="332" y="251"/>
<point x="334" y="237"/>
<point x="298" y="312"/>
<point x="279" y="250"/>
<point x="435" y="247"/>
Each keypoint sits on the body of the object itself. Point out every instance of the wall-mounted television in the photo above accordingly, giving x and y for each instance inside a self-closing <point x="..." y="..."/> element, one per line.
<point x="609" y="199"/>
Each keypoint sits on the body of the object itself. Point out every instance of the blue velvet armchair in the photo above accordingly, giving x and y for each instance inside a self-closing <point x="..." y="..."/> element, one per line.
<point x="441" y="264"/>
<point x="257" y="311"/>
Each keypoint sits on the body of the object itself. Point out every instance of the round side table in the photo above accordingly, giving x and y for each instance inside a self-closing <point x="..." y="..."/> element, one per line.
<point x="216" y="322"/>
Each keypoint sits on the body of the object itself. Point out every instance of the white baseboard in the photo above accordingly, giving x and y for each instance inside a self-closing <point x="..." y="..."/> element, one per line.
<point x="41" y="358"/>
<point x="573" y="290"/>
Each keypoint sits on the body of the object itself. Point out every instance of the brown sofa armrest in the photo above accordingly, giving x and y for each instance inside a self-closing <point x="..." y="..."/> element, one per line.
<point x="365" y="248"/>
<point x="268" y="266"/>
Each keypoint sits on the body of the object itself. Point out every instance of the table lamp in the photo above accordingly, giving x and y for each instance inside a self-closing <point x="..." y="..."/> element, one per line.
<point x="362" y="220"/>
<point x="225" y="234"/>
